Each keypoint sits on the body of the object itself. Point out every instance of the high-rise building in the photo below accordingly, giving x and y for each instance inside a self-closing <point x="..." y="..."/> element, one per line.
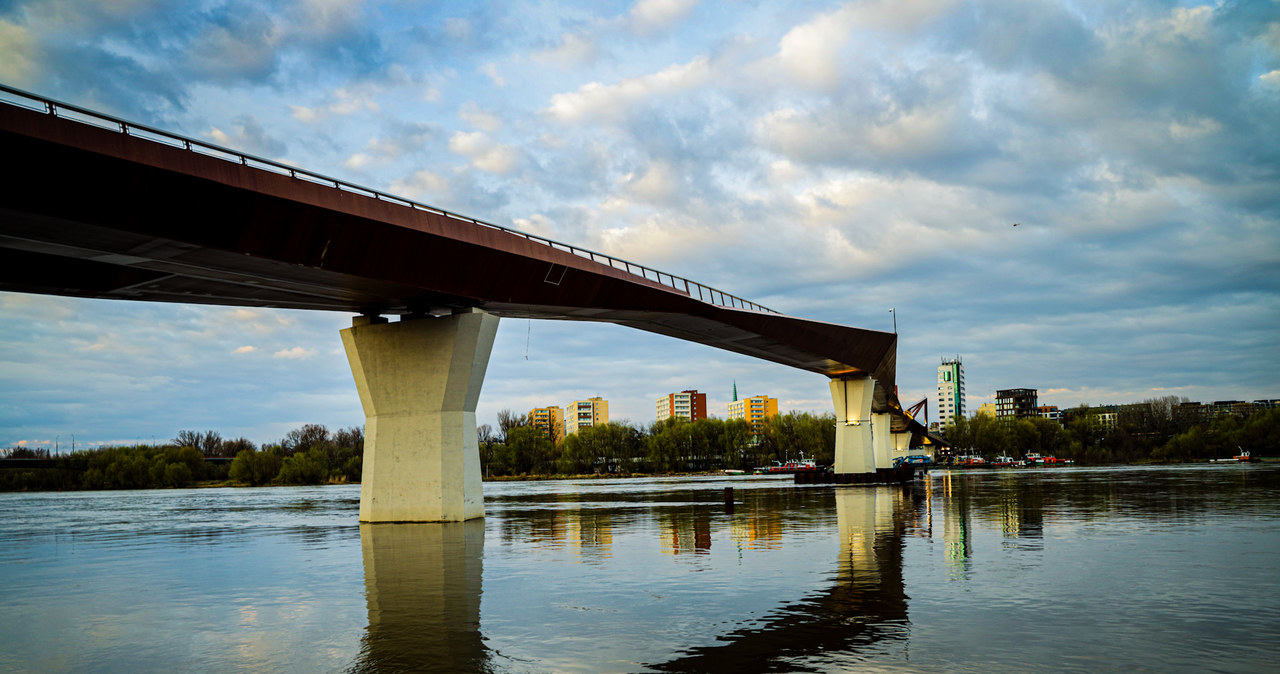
<point x="585" y="413"/>
<point x="686" y="405"/>
<point x="550" y="420"/>
<point x="754" y="410"/>
<point x="950" y="390"/>
<point x="1016" y="403"/>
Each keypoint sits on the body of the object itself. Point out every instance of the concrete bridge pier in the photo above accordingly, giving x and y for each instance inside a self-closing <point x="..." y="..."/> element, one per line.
<point x="419" y="381"/>
<point x="852" y="399"/>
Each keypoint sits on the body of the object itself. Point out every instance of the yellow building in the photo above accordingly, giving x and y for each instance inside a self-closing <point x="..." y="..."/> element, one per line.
<point x="550" y="420"/>
<point x="585" y="413"/>
<point x="754" y="410"/>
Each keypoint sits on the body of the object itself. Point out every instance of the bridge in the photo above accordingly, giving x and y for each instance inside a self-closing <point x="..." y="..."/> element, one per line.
<point x="108" y="209"/>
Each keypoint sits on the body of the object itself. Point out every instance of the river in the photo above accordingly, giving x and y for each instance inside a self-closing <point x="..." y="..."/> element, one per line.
<point x="1164" y="568"/>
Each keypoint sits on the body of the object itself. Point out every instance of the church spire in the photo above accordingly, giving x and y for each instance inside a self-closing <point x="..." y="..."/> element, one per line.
<point x="735" y="390"/>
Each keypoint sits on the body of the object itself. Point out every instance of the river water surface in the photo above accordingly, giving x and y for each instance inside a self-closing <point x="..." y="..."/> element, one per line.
<point x="1065" y="569"/>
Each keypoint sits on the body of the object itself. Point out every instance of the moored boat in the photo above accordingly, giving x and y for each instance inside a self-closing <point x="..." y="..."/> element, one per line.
<point x="779" y="468"/>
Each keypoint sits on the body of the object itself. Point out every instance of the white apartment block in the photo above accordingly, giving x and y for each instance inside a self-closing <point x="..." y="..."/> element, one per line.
<point x="950" y="390"/>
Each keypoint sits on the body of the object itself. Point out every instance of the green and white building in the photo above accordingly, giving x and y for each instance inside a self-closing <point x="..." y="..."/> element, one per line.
<point x="950" y="390"/>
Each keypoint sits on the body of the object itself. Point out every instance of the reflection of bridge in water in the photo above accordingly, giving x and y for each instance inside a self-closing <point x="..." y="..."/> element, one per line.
<point x="424" y="581"/>
<point x="867" y="602"/>
<point x="103" y="208"/>
<point x="424" y="587"/>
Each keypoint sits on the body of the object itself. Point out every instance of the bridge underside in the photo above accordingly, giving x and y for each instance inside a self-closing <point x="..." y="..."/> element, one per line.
<point x="93" y="212"/>
<point x="96" y="213"/>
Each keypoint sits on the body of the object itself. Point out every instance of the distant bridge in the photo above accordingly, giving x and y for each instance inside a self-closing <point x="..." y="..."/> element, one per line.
<point x="100" y="207"/>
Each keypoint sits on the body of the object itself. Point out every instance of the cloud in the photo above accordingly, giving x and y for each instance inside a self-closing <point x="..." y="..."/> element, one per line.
<point x="484" y="153"/>
<point x="423" y="185"/>
<point x="490" y="70"/>
<point x="481" y="119"/>
<point x="245" y="349"/>
<point x="295" y="353"/>
<point x="18" y="59"/>
<point x="572" y="51"/>
<point x="595" y="101"/>
<point x="816" y="159"/>
<point x="243" y="43"/>
<point x="247" y="135"/>
<point x="651" y="16"/>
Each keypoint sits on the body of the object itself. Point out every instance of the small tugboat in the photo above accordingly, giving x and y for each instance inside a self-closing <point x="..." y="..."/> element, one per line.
<point x="1034" y="459"/>
<point x="802" y="466"/>
<point x="1242" y="457"/>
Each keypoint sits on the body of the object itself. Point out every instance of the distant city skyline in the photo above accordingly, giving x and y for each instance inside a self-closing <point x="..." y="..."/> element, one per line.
<point x="861" y="163"/>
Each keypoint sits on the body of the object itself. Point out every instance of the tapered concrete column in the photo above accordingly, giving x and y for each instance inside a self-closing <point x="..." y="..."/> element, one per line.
<point x="882" y="440"/>
<point x="419" y="382"/>
<point x="852" y="400"/>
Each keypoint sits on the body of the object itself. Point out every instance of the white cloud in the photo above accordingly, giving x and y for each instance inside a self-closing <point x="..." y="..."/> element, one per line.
<point x="484" y="153"/>
<point x="574" y="50"/>
<point x="595" y="101"/>
<point x="658" y="185"/>
<point x="423" y="185"/>
<point x="479" y="118"/>
<point x="651" y="16"/>
<point x="295" y="353"/>
<point x="343" y="101"/>
<point x="245" y="349"/>
<point x="490" y="70"/>
<point x="1194" y="128"/>
<point x="809" y="54"/>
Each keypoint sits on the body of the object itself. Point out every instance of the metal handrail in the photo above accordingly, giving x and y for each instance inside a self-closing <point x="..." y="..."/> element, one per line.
<point x="85" y="116"/>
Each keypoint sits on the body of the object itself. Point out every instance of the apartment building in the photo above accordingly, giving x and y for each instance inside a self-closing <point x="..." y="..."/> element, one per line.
<point x="550" y="420"/>
<point x="686" y="405"/>
<point x="585" y="413"/>
<point x="950" y="390"/>
<point x="754" y="410"/>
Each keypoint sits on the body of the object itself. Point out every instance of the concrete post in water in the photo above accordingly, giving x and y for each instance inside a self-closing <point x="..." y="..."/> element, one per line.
<point x="852" y="399"/>
<point x="419" y="381"/>
<point x="882" y="440"/>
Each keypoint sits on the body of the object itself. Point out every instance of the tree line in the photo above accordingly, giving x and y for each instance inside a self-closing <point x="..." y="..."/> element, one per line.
<point x="517" y="447"/>
<point x="1152" y="430"/>
<point x="1155" y="429"/>
<point x="307" y="455"/>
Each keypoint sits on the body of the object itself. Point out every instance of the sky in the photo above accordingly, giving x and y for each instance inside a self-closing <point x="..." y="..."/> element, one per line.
<point x="850" y="162"/>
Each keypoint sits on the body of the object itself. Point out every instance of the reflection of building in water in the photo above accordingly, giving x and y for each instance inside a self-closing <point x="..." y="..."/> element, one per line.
<point x="422" y="587"/>
<point x="685" y="532"/>
<point x="1012" y="501"/>
<point x="866" y="603"/>
<point x="757" y="527"/>
<point x="955" y="522"/>
<point x="1022" y="514"/>
<point x="586" y="532"/>
<point x="589" y="533"/>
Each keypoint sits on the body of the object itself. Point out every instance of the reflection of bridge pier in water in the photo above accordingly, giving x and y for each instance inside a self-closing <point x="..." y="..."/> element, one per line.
<point x="422" y="586"/>
<point x="866" y="604"/>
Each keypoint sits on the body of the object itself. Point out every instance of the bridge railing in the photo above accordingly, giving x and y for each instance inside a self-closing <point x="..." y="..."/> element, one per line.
<point x="24" y="99"/>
